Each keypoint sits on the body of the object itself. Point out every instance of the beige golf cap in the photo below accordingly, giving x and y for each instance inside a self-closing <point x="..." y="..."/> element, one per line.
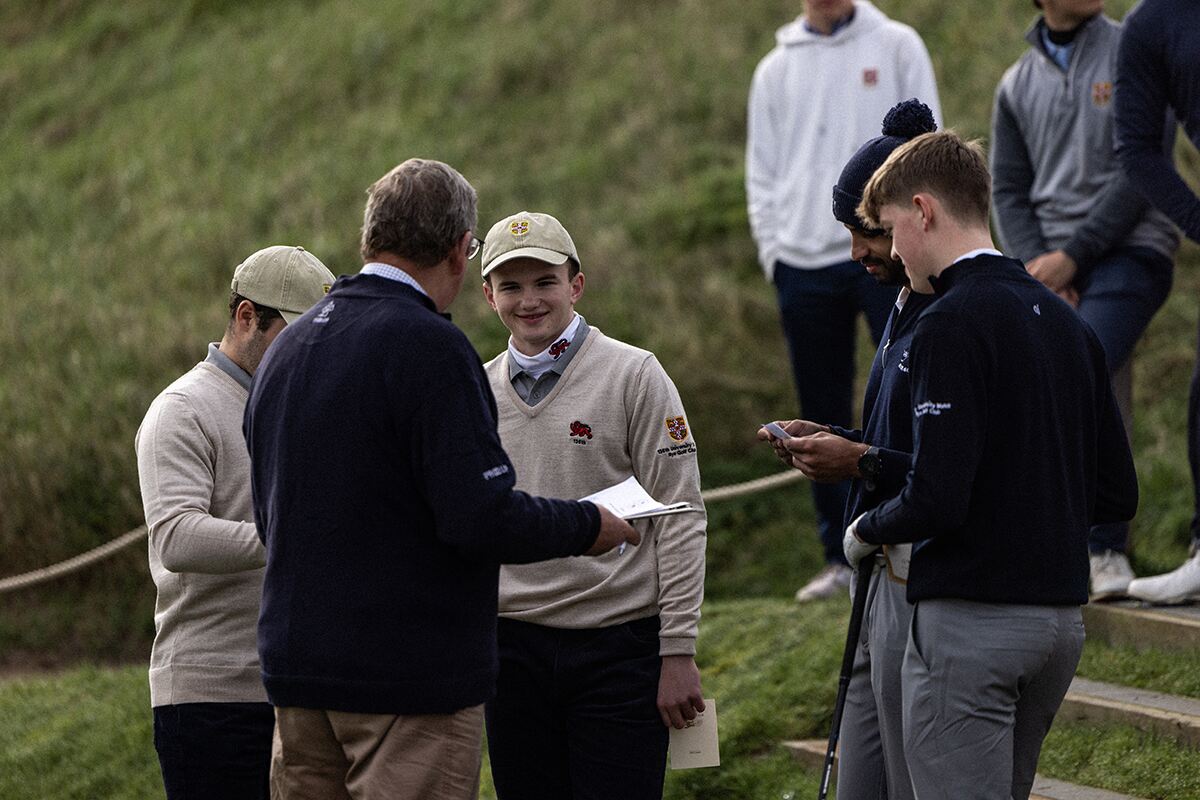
<point x="288" y="279"/>
<point x="527" y="234"/>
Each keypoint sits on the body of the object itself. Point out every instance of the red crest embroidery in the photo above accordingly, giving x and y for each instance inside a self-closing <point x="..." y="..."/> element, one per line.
<point x="558" y="348"/>
<point x="1102" y="92"/>
<point x="870" y="76"/>
<point x="581" y="431"/>
<point x="677" y="428"/>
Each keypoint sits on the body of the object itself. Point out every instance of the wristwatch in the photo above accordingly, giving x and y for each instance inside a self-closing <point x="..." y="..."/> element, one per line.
<point x="870" y="466"/>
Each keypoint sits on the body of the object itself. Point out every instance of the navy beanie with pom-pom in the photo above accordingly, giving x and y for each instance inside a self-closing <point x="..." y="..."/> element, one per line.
<point x="905" y="121"/>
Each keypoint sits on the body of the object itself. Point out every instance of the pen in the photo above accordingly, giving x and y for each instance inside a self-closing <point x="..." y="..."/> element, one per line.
<point x="621" y="549"/>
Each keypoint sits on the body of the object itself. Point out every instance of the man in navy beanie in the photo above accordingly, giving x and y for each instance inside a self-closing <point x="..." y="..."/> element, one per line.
<point x="876" y="461"/>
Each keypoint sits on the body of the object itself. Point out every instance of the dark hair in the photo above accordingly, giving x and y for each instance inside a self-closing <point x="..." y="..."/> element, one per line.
<point x="266" y="314"/>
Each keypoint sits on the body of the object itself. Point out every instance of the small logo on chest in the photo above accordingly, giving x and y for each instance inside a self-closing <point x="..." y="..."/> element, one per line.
<point x="580" y="432"/>
<point x="1102" y="92"/>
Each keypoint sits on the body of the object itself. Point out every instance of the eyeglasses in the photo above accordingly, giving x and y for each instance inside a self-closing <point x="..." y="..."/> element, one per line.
<point x="473" y="248"/>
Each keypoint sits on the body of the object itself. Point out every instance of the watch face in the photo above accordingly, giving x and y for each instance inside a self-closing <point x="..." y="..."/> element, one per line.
<point x="869" y="465"/>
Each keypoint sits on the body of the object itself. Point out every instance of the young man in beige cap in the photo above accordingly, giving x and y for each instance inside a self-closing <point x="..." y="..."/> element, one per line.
<point x="596" y="655"/>
<point x="212" y="721"/>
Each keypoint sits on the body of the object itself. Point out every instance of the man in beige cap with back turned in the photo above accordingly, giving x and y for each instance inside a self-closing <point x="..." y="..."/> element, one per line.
<point x="596" y="655"/>
<point x="212" y="721"/>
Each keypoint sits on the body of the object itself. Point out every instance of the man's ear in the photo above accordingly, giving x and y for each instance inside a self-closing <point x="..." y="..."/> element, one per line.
<point x="245" y="317"/>
<point x="927" y="206"/>
<point x="488" y="293"/>
<point x="577" y="287"/>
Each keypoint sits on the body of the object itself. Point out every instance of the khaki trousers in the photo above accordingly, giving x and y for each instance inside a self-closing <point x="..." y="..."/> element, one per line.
<point x="337" y="755"/>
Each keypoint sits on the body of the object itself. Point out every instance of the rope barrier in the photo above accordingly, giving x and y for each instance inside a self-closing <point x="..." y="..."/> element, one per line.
<point x="108" y="549"/>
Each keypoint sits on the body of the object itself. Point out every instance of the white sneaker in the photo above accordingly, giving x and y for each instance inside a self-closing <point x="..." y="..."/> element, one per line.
<point x="1179" y="586"/>
<point x="1111" y="574"/>
<point x="832" y="580"/>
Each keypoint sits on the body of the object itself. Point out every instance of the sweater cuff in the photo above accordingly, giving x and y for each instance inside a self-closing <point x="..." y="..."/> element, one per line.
<point x="677" y="646"/>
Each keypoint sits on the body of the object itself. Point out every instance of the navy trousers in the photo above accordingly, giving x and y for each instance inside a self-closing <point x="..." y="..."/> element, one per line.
<point x="1118" y="298"/>
<point x="819" y="309"/>
<point x="575" y="715"/>
<point x="210" y="750"/>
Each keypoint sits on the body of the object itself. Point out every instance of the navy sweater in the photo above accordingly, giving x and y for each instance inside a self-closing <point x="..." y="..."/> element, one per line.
<point x="386" y="504"/>
<point x="887" y="409"/>
<point x="1018" y="447"/>
<point x="1158" y="66"/>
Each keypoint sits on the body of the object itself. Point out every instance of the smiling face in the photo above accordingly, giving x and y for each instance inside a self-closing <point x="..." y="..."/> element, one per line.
<point x="906" y="226"/>
<point x="535" y="300"/>
<point x="873" y="250"/>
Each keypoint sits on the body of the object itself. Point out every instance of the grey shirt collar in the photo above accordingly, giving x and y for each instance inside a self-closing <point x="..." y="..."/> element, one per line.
<point x="227" y="365"/>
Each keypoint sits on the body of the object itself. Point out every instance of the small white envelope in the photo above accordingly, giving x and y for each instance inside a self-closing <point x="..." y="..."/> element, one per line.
<point x="697" y="745"/>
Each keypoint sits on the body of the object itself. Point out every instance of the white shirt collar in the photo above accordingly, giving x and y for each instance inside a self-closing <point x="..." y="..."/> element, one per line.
<point x="392" y="274"/>
<point x="980" y="251"/>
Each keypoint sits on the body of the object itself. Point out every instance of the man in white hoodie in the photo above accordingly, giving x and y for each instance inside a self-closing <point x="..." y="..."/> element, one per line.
<point x="834" y="73"/>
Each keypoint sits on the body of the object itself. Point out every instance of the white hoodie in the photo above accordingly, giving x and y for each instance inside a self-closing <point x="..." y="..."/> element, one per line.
<point x="814" y="101"/>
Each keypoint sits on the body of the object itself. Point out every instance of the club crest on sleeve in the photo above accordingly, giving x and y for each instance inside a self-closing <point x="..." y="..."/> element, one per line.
<point x="870" y="76"/>
<point x="519" y="227"/>
<point x="1102" y="92"/>
<point x="580" y="432"/>
<point x="677" y="428"/>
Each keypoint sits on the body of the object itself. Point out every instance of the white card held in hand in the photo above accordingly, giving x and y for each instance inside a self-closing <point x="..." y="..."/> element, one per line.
<point x="697" y="744"/>
<point x="629" y="500"/>
<point x="776" y="430"/>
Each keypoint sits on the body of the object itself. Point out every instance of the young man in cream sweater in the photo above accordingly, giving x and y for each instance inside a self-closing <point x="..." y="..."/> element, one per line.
<point x="596" y="655"/>
<point x="212" y="721"/>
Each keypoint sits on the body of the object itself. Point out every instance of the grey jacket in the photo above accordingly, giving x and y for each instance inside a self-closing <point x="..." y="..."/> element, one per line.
<point x="1056" y="183"/>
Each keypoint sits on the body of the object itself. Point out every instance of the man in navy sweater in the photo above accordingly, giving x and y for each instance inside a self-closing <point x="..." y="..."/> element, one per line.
<point x="1018" y="448"/>
<point x="1158" y="69"/>
<point x="386" y="504"/>
<point x="871" y="741"/>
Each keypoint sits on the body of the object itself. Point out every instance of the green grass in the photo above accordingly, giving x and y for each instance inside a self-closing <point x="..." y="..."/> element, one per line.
<point x="147" y="148"/>
<point x="771" y="665"/>
<point x="1157" y="670"/>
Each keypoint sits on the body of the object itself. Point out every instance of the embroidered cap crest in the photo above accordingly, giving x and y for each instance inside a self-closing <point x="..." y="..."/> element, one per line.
<point x="519" y="227"/>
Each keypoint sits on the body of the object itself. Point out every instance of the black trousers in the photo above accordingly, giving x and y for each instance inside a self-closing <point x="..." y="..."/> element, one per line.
<point x="211" y="750"/>
<point x="575" y="715"/>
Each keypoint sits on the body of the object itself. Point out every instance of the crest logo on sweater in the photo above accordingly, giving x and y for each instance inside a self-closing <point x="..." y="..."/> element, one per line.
<point x="1102" y="92"/>
<point x="580" y="432"/>
<point x="677" y="428"/>
<point x="870" y="76"/>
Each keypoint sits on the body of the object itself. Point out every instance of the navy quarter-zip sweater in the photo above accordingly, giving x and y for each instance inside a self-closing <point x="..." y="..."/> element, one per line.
<point x="887" y="411"/>
<point x="1018" y="447"/>
<point x="386" y="504"/>
<point x="1158" y="67"/>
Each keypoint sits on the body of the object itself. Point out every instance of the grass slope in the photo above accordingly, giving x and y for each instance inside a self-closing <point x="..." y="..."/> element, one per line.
<point x="147" y="148"/>
<point x="771" y="665"/>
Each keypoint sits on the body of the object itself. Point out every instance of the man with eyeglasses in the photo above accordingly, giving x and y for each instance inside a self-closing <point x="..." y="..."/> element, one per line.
<point x="597" y="656"/>
<point x="212" y="721"/>
<point x="386" y="504"/>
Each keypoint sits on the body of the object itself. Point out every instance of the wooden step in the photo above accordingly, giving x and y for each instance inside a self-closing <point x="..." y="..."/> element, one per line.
<point x="811" y="753"/>
<point x="1144" y="626"/>
<point x="1164" y="714"/>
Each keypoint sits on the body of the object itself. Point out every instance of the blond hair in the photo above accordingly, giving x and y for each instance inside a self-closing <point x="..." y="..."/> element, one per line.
<point x="941" y="163"/>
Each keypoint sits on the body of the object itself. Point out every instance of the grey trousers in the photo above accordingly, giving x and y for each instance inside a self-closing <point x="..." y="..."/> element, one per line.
<point x="981" y="684"/>
<point x="871" y="763"/>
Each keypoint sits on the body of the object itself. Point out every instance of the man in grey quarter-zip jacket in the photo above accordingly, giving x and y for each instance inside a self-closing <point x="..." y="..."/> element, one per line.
<point x="1063" y="206"/>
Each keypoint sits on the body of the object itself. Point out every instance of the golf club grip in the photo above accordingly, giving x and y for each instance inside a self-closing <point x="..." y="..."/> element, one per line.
<point x="857" y="609"/>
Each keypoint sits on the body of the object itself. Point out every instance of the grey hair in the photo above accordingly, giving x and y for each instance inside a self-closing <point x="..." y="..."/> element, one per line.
<point x="418" y="211"/>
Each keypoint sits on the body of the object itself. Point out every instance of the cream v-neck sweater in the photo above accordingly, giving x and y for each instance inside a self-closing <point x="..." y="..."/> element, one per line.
<point x="614" y="413"/>
<point x="205" y="556"/>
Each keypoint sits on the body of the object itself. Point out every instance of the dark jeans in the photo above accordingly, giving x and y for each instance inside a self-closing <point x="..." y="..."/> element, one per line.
<point x="209" y="750"/>
<point x="819" y="309"/>
<point x="575" y="715"/>
<point x="1118" y="299"/>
